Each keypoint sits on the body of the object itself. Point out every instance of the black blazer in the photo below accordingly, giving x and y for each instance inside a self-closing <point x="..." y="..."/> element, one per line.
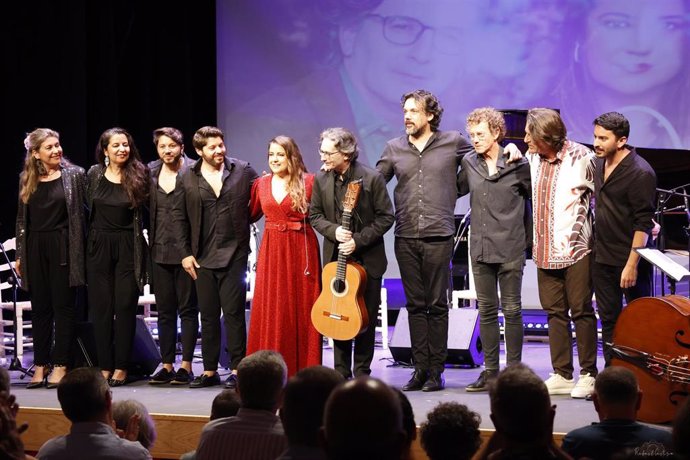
<point x="155" y="169"/>
<point x="371" y="218"/>
<point x="187" y="216"/>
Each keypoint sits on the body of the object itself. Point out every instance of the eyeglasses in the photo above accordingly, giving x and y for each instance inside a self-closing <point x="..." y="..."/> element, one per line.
<point x="327" y="154"/>
<point x="404" y="30"/>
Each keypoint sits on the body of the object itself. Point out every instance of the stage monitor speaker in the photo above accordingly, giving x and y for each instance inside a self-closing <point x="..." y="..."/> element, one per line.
<point x="145" y="356"/>
<point x="464" y="345"/>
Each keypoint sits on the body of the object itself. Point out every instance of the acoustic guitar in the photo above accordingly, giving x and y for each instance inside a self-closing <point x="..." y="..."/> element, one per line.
<point x="339" y="312"/>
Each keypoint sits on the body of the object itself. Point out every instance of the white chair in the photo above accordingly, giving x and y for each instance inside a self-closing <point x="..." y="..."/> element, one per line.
<point x="7" y="303"/>
<point x="382" y="323"/>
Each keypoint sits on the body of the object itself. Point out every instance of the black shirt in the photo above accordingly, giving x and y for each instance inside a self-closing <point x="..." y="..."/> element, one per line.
<point x="500" y="226"/>
<point x="111" y="208"/>
<point x="624" y="204"/>
<point x="217" y="230"/>
<point x="166" y="248"/>
<point x="426" y="192"/>
<point x="47" y="208"/>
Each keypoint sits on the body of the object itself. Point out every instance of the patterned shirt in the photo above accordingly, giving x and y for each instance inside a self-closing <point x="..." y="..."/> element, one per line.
<point x="561" y="192"/>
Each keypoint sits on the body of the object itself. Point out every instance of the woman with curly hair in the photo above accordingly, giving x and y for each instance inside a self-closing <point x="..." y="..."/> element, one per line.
<point x="50" y="250"/>
<point x="288" y="265"/>
<point x="118" y="187"/>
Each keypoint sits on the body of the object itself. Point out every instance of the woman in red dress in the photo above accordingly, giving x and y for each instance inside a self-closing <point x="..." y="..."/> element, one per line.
<point x="288" y="278"/>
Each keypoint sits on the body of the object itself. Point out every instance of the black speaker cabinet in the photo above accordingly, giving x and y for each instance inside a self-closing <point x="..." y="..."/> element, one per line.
<point x="464" y="345"/>
<point x="143" y="361"/>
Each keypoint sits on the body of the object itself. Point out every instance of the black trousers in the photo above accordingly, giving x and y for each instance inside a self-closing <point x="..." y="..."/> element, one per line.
<point x="175" y="294"/>
<point x="609" y="296"/>
<point x="52" y="298"/>
<point x="425" y="269"/>
<point x="364" y="342"/>
<point x="113" y="292"/>
<point x="223" y="290"/>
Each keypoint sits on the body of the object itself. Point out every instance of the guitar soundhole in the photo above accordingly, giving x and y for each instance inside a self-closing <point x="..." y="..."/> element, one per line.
<point x="339" y="286"/>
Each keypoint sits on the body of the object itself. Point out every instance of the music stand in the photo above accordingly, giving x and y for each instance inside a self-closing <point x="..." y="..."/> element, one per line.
<point x="674" y="271"/>
<point x="13" y="279"/>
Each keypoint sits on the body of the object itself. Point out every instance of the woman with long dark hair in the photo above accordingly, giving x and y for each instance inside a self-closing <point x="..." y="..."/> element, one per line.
<point x="50" y="250"/>
<point x="118" y="187"/>
<point x="288" y="267"/>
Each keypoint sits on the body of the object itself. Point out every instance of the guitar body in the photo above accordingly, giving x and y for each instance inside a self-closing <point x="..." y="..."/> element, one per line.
<point x="341" y="315"/>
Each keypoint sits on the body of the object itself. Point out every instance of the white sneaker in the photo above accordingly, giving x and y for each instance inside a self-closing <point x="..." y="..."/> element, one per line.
<point x="559" y="385"/>
<point x="584" y="386"/>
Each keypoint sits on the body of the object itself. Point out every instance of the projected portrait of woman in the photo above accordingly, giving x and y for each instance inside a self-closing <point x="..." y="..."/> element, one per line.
<point x="632" y="57"/>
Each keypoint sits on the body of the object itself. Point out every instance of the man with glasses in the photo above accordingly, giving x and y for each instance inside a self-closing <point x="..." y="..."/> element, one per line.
<point x="501" y="230"/>
<point x="362" y="242"/>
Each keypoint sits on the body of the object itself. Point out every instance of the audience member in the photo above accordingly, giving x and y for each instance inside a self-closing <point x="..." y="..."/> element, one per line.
<point x="681" y="432"/>
<point x="123" y="413"/>
<point x="11" y="445"/>
<point x="86" y="401"/>
<point x="524" y="424"/>
<point x="4" y="380"/>
<point x="363" y="420"/>
<point x="256" y="431"/>
<point x="409" y="425"/>
<point x="226" y="404"/>
<point x="451" y="432"/>
<point x="302" y="411"/>
<point x="616" y="399"/>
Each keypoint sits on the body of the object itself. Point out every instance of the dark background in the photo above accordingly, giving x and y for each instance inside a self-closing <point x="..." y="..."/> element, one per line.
<point x="81" y="67"/>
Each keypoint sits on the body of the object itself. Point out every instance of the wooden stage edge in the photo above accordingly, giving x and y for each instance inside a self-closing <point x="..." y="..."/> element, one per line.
<point x="177" y="434"/>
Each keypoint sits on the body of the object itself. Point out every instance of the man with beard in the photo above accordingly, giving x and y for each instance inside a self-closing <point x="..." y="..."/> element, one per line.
<point x="425" y="163"/>
<point x="213" y="229"/>
<point x="624" y="191"/>
<point x="501" y="227"/>
<point x="174" y="289"/>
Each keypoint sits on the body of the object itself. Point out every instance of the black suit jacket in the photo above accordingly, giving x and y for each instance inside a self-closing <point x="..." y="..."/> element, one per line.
<point x="371" y="218"/>
<point x="155" y="169"/>
<point x="236" y="189"/>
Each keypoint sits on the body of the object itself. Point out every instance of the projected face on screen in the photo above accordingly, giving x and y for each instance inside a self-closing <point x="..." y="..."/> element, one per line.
<point x="635" y="47"/>
<point x="405" y="44"/>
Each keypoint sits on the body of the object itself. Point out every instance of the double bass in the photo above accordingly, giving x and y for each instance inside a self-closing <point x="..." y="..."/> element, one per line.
<point x="652" y="339"/>
<point x="340" y="312"/>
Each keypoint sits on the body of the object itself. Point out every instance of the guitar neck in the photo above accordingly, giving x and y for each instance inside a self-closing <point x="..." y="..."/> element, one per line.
<point x="342" y="258"/>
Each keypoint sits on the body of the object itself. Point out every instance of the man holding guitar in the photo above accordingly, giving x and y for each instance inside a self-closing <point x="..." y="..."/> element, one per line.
<point x="362" y="242"/>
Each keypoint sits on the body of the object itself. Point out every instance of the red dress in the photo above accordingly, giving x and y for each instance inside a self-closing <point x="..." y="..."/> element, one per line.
<point x="288" y="280"/>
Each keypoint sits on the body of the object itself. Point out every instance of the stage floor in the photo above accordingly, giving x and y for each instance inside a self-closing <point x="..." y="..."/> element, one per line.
<point x="570" y="413"/>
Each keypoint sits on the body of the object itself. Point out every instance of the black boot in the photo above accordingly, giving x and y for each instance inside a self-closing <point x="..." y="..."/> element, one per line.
<point x="435" y="382"/>
<point x="482" y="383"/>
<point x="417" y="381"/>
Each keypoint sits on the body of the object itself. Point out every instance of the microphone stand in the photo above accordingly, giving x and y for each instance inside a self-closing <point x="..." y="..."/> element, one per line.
<point x="13" y="280"/>
<point x="664" y="196"/>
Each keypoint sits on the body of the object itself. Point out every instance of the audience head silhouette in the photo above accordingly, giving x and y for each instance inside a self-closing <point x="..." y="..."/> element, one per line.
<point x="225" y="404"/>
<point x="261" y="378"/>
<point x="451" y="432"/>
<point x="304" y="401"/>
<point x="124" y="410"/>
<point x="85" y="396"/>
<point x="363" y="420"/>
<point x="616" y="394"/>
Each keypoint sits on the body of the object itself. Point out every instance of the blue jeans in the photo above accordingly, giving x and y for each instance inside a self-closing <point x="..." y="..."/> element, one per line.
<point x="487" y="278"/>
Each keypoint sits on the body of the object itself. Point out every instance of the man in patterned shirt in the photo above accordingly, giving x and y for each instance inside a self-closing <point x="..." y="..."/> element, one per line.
<point x="562" y="186"/>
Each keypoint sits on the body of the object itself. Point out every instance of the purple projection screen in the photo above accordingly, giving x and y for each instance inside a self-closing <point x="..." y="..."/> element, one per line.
<point x="295" y="67"/>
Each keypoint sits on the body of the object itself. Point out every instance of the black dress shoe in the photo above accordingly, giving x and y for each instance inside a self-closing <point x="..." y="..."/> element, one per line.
<point x="204" y="381"/>
<point x="435" y="382"/>
<point x="39" y="384"/>
<point x="417" y="381"/>
<point x="182" y="377"/>
<point x="231" y="382"/>
<point x="117" y="382"/>
<point x="482" y="383"/>
<point x="52" y="385"/>
<point x="161" y="377"/>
